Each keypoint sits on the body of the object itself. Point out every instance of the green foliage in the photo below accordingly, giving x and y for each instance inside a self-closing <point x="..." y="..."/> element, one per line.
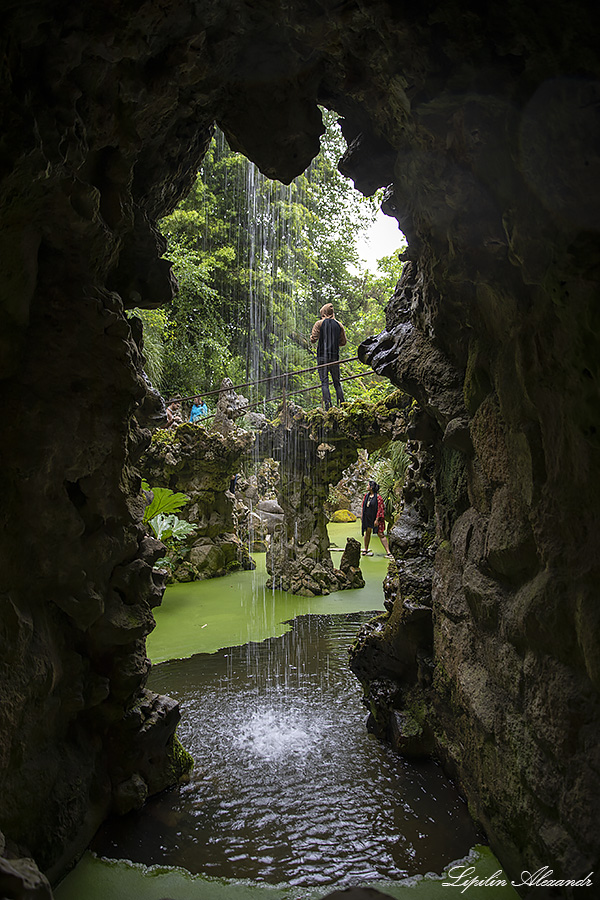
<point x="390" y="469"/>
<point x="154" y="322"/>
<point x="164" y="501"/>
<point x="165" y="527"/>
<point x="255" y="261"/>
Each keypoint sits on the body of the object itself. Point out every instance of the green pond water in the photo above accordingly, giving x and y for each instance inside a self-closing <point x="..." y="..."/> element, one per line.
<point x="205" y="616"/>
<point x="290" y="797"/>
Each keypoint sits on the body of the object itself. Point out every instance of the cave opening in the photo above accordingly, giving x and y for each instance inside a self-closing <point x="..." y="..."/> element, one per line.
<point x="487" y="129"/>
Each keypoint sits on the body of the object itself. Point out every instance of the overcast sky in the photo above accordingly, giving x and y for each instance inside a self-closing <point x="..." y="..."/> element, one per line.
<point x="382" y="239"/>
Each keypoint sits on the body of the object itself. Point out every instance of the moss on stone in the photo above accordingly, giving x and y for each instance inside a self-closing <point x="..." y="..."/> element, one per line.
<point x="162" y="437"/>
<point x="360" y="415"/>
<point x="428" y="537"/>
<point x="453" y="498"/>
<point x="343" y="515"/>
<point x="181" y="762"/>
<point x="442" y="682"/>
<point x="410" y="725"/>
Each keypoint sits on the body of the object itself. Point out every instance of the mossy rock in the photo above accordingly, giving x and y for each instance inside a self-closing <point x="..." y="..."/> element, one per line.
<point x="343" y="515"/>
<point x="181" y="762"/>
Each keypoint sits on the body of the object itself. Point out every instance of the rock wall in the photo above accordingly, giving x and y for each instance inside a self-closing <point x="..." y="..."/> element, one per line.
<point x="78" y="730"/>
<point x="485" y="133"/>
<point x="496" y="671"/>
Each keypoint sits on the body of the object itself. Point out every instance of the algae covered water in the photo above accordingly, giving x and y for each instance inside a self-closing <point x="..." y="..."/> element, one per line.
<point x="290" y="796"/>
<point x="205" y="616"/>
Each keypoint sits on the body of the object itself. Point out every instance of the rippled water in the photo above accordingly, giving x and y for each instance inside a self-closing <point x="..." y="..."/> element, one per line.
<point x="288" y="786"/>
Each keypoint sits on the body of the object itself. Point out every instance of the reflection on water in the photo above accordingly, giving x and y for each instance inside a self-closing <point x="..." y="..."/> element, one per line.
<point x="288" y="786"/>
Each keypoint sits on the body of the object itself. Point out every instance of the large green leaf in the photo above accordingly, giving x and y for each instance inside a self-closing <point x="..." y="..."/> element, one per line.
<point x="165" y="501"/>
<point x="165" y="527"/>
<point x="181" y="529"/>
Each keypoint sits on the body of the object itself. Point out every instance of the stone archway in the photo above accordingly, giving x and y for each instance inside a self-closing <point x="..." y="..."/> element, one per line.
<point x="313" y="450"/>
<point x="486" y="133"/>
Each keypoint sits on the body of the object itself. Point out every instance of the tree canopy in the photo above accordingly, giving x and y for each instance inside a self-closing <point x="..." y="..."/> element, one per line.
<point x="255" y="261"/>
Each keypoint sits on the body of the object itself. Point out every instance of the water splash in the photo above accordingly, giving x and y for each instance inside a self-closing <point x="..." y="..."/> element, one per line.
<point x="289" y="787"/>
<point x="282" y="735"/>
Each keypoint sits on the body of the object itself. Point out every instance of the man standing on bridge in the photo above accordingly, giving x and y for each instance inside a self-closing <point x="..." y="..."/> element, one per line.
<point x="331" y="336"/>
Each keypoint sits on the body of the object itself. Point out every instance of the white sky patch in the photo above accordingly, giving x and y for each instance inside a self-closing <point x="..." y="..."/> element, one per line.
<point x="382" y="239"/>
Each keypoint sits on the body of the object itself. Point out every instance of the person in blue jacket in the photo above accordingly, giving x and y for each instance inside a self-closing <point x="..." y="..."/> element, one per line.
<point x="199" y="409"/>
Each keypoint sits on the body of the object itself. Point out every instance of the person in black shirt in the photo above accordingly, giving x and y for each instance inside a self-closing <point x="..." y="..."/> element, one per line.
<point x="373" y="519"/>
<point x="330" y="335"/>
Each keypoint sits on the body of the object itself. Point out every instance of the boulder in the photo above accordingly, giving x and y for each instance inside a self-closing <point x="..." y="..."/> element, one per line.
<point x="269" y="506"/>
<point x="343" y="515"/>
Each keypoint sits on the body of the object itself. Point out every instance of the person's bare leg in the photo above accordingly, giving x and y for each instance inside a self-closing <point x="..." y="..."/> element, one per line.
<point x="367" y="539"/>
<point x="385" y="544"/>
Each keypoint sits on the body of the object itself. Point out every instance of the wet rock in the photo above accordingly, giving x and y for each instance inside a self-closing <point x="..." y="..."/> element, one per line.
<point x="414" y="576"/>
<point x="269" y="506"/>
<point x="510" y="546"/>
<point x="254" y="421"/>
<point x="130" y="794"/>
<point x="407" y="533"/>
<point x="270" y="521"/>
<point x="302" y="544"/>
<point x="408" y="736"/>
<point x="457" y="435"/>
<point x="267" y="479"/>
<point x="404" y="355"/>
<point x="351" y="555"/>
<point x="230" y="406"/>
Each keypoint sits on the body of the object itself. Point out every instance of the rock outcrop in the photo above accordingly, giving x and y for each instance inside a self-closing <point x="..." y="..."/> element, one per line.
<point x="482" y="651"/>
<point x="230" y="406"/>
<point x="313" y="449"/>
<point x="484" y="132"/>
<point x="257" y="511"/>
<point x="348" y="493"/>
<point x="201" y="464"/>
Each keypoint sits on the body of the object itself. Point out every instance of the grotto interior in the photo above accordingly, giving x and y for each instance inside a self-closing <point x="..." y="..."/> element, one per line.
<point x="485" y="133"/>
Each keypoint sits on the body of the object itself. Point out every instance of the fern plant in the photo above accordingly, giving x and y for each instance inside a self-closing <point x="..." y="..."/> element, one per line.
<point x="390" y="469"/>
